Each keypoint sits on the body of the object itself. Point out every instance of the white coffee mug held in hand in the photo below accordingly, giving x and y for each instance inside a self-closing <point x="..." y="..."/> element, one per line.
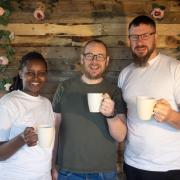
<point x="45" y="135"/>
<point x="145" y="107"/>
<point x="94" y="101"/>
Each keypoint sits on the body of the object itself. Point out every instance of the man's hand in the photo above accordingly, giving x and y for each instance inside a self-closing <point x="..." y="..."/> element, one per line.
<point x="162" y="111"/>
<point x="54" y="173"/>
<point x="107" y="105"/>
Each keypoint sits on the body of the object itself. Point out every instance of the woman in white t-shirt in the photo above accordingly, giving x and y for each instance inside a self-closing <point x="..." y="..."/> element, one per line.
<point x="21" y="111"/>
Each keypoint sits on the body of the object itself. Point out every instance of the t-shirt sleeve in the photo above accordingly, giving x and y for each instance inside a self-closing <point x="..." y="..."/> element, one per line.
<point x="177" y="85"/>
<point x="120" y="105"/>
<point x="56" y="103"/>
<point x="5" y="123"/>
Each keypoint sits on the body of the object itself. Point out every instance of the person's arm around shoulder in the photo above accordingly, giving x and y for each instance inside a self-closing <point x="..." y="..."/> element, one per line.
<point x="116" y="122"/>
<point x="164" y="113"/>
<point x="54" y="171"/>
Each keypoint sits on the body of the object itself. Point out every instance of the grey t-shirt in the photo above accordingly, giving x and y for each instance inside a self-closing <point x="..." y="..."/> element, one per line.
<point x="85" y="144"/>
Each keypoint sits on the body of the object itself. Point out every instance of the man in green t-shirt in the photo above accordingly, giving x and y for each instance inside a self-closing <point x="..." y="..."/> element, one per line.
<point x="87" y="141"/>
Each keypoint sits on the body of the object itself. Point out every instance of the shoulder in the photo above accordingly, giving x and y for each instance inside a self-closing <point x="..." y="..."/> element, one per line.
<point x="125" y="73"/>
<point x="169" y="59"/>
<point x="109" y="83"/>
<point x="110" y="86"/>
<point x="171" y="63"/>
<point x="8" y="102"/>
<point x="8" y="98"/>
<point x="128" y="68"/>
<point x="74" y="82"/>
<point x="45" y="100"/>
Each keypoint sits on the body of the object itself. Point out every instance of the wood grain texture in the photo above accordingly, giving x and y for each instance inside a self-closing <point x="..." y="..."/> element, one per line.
<point x="69" y="24"/>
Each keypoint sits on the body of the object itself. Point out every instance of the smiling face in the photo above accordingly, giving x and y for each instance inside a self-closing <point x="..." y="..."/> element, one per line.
<point x="144" y="48"/>
<point x="94" y="61"/>
<point x="33" y="75"/>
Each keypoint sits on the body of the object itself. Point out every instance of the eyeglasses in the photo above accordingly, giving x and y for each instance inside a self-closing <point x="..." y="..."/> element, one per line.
<point x="97" y="57"/>
<point x="145" y="36"/>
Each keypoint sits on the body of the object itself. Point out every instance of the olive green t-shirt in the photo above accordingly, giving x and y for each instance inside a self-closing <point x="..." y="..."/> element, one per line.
<point x="85" y="144"/>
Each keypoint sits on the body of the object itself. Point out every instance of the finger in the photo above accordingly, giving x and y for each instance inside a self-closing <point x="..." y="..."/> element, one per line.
<point x="28" y="130"/>
<point x="163" y="101"/>
<point x="31" y="143"/>
<point x="159" y="117"/>
<point x="106" y="95"/>
<point x="108" y="105"/>
<point x="31" y="137"/>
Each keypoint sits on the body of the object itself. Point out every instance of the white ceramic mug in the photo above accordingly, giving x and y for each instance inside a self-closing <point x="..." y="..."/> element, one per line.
<point x="145" y="107"/>
<point x="94" y="101"/>
<point x="45" y="135"/>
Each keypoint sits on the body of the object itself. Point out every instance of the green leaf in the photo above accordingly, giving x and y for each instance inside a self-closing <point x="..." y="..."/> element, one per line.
<point x="155" y="5"/>
<point x="2" y="68"/>
<point x="4" y="36"/>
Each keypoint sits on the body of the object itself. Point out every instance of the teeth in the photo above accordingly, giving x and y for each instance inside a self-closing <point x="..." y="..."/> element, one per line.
<point x="94" y="67"/>
<point x="35" y="83"/>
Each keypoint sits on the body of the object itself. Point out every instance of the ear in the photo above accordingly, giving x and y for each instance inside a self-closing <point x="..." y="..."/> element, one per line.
<point x="107" y="61"/>
<point x="82" y="59"/>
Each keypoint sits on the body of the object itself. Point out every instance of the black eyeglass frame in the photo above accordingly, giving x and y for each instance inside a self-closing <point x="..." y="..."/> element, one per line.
<point x="97" y="57"/>
<point x="145" y="36"/>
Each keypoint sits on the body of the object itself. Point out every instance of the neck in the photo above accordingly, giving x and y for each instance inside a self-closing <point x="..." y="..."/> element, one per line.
<point x="91" y="81"/>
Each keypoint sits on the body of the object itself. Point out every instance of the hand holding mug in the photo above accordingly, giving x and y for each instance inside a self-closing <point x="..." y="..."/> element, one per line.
<point x="107" y="105"/>
<point x="162" y="110"/>
<point x="29" y="136"/>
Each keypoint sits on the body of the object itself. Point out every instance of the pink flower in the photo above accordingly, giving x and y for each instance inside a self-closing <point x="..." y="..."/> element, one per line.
<point x="157" y="13"/>
<point x="2" y="11"/>
<point x="39" y="14"/>
<point x="7" y="86"/>
<point x="4" y="60"/>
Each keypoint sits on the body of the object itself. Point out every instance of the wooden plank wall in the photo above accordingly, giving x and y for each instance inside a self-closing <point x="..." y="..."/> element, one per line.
<point x="70" y="23"/>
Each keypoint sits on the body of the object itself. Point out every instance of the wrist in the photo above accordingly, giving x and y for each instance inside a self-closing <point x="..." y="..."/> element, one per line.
<point x="22" y="137"/>
<point x="111" y="116"/>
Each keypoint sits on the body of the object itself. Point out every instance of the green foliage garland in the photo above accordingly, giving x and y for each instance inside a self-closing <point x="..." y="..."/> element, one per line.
<point x="5" y="40"/>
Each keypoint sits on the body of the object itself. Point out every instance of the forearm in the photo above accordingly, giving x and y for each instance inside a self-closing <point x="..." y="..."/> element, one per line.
<point x="7" y="149"/>
<point x="54" y="172"/>
<point x="57" y="126"/>
<point x="117" y="127"/>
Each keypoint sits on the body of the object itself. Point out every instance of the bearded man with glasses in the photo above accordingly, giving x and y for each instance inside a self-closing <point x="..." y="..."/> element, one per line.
<point x="88" y="141"/>
<point x="152" y="150"/>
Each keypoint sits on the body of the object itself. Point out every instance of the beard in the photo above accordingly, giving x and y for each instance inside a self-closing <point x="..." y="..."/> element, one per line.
<point x="142" y="60"/>
<point x="92" y="76"/>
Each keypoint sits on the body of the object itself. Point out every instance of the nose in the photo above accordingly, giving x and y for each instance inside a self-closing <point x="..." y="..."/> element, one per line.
<point x="36" y="75"/>
<point x="94" y="58"/>
<point x="139" y="41"/>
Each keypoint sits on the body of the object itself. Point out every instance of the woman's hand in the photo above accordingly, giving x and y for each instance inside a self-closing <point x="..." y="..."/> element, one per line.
<point x="29" y="136"/>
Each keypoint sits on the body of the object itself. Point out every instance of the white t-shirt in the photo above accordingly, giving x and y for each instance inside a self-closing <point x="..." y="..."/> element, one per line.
<point x="151" y="145"/>
<point x="19" y="110"/>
